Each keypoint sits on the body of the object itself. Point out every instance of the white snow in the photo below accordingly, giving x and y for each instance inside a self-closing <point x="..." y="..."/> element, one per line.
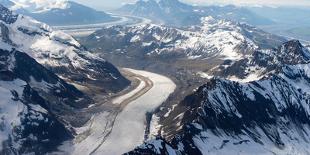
<point x="42" y="85"/>
<point x="249" y="78"/>
<point x="47" y="48"/>
<point x="135" y="39"/>
<point x="120" y="99"/>
<point x="254" y="73"/>
<point x="9" y="109"/>
<point x="154" y="127"/>
<point x="168" y="113"/>
<point x="204" y="75"/>
<point x="209" y="144"/>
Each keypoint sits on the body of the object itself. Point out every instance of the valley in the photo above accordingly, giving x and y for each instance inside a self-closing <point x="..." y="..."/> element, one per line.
<point x="125" y="115"/>
<point x="153" y="77"/>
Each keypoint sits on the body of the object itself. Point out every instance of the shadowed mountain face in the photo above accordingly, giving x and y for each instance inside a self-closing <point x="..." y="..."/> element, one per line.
<point x="262" y="116"/>
<point x="33" y="104"/>
<point x="175" y="13"/>
<point x="68" y="13"/>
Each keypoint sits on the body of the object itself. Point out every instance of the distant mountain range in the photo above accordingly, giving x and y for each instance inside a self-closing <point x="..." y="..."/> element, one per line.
<point x="214" y="39"/>
<point x="175" y="13"/>
<point x="292" y="22"/>
<point x="289" y="21"/>
<point x="58" y="12"/>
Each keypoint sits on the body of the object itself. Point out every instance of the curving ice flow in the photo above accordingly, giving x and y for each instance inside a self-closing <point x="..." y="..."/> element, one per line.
<point x="120" y="99"/>
<point x="128" y="129"/>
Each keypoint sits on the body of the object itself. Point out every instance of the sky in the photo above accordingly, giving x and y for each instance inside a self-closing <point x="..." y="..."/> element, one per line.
<point x="111" y="4"/>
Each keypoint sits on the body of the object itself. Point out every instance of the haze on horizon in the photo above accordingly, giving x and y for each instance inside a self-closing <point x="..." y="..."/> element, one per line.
<point x="108" y="4"/>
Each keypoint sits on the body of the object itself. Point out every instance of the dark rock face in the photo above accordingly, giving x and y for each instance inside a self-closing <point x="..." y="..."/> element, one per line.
<point x="38" y="132"/>
<point x="5" y="34"/>
<point x="27" y="69"/>
<point x="7" y="15"/>
<point x="293" y="52"/>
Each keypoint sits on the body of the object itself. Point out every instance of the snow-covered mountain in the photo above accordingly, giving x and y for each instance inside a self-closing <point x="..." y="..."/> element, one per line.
<point x="263" y="62"/>
<point x="58" y="12"/>
<point x="212" y="38"/>
<point x="57" y="51"/>
<point x="38" y="109"/>
<point x="176" y="13"/>
<point x="34" y="102"/>
<point x="266" y="116"/>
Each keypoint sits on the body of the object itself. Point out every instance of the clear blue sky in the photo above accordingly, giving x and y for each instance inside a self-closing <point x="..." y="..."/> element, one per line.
<point x="104" y="4"/>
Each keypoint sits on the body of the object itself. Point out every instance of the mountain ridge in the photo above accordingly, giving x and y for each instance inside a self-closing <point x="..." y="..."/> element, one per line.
<point x="268" y="116"/>
<point x="176" y="13"/>
<point x="39" y="108"/>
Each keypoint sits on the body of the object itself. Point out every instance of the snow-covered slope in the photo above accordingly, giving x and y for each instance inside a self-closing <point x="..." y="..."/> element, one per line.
<point x="58" y="12"/>
<point x="34" y="105"/>
<point x="213" y="38"/>
<point x="266" y="116"/>
<point x="38" y="110"/>
<point x="263" y="62"/>
<point x="57" y="51"/>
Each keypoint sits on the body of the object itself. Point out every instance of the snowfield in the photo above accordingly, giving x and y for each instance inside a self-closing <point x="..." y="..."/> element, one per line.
<point x="48" y="47"/>
<point x="128" y="130"/>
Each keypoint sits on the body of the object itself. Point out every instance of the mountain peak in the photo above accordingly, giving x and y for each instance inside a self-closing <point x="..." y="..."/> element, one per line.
<point x="293" y="43"/>
<point x="294" y="52"/>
